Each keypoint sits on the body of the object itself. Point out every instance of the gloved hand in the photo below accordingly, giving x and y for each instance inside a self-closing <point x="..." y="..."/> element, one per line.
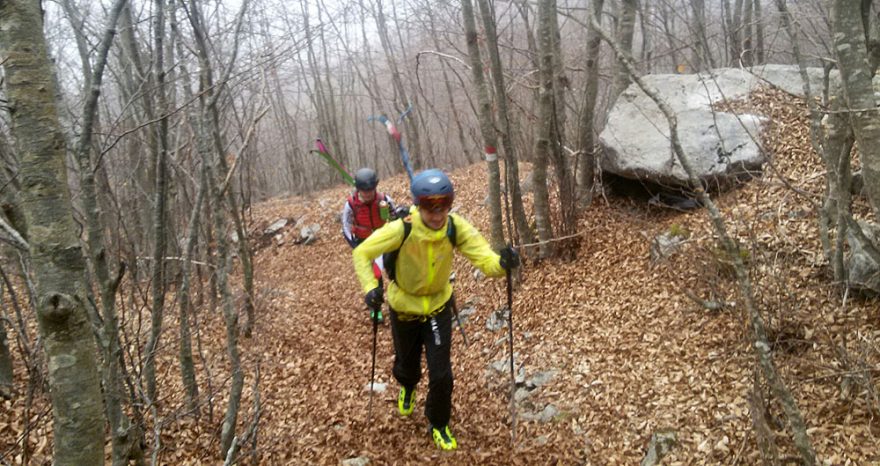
<point x="374" y="298"/>
<point x="400" y="212"/>
<point x="509" y="258"/>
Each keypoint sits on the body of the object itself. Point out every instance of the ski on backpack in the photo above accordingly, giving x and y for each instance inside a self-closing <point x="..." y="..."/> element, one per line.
<point x="321" y="150"/>
<point x="395" y="134"/>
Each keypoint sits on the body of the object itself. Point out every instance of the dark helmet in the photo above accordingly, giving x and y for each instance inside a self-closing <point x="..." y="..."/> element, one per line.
<point x="366" y="179"/>
<point x="432" y="182"/>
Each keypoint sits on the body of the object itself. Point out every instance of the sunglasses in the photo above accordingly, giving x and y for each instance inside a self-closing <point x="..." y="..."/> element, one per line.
<point x="435" y="203"/>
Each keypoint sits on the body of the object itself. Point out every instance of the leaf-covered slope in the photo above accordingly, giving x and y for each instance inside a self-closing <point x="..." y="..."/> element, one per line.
<point x="631" y="353"/>
<point x="628" y="353"/>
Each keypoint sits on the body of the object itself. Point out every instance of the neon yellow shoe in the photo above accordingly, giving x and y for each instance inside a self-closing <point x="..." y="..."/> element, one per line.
<point x="443" y="438"/>
<point x="406" y="401"/>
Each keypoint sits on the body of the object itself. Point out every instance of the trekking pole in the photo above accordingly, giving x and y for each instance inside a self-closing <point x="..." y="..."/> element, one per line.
<point x="455" y="311"/>
<point x="510" y="347"/>
<point x="373" y="368"/>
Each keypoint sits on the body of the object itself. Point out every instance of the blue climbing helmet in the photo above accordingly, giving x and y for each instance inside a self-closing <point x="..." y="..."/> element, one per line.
<point x="432" y="190"/>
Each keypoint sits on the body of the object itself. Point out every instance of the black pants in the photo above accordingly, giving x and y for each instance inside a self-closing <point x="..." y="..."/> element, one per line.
<point x="435" y="334"/>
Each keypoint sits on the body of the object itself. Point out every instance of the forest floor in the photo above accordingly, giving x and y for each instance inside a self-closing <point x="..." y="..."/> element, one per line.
<point x="623" y="351"/>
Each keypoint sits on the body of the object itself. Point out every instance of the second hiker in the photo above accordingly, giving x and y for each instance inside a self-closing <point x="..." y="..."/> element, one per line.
<point x="365" y="211"/>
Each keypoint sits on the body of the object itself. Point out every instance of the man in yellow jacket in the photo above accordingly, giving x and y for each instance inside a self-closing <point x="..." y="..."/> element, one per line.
<point x="419" y="295"/>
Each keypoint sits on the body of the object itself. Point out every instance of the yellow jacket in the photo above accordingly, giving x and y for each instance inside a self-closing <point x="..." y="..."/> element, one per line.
<point x="423" y="263"/>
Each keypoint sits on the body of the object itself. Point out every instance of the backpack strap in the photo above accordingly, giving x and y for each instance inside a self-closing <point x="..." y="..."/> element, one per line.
<point x="389" y="259"/>
<point x="450" y="232"/>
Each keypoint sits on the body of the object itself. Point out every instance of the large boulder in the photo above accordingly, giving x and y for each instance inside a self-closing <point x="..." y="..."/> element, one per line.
<point x="719" y="145"/>
<point x="862" y="270"/>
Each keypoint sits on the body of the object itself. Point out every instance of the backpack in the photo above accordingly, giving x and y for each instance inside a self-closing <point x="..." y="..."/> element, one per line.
<point x="389" y="259"/>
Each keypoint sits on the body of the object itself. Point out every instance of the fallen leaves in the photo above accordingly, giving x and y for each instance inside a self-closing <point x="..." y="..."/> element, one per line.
<point x="632" y="354"/>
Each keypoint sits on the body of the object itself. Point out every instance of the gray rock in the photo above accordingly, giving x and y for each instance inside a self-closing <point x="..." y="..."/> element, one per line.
<point x="665" y="245"/>
<point x="788" y="78"/>
<point x="275" y="227"/>
<point x="359" y="461"/>
<point x="548" y="413"/>
<point x="521" y="394"/>
<point x="497" y="320"/>
<point x="466" y="312"/>
<point x="720" y="146"/>
<point x="540" y="378"/>
<point x="661" y="443"/>
<point x="309" y="234"/>
<point x="520" y="378"/>
<point x="862" y="270"/>
<point x="503" y="365"/>
<point x="378" y="387"/>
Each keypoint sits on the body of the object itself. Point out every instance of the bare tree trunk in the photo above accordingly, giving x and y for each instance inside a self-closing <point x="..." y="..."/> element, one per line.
<point x="211" y="141"/>
<point x="586" y="131"/>
<point x="126" y="439"/>
<point x="523" y="233"/>
<point x="699" y="47"/>
<point x="187" y="367"/>
<point x="160" y="208"/>
<point x="760" y="344"/>
<point x="6" y="375"/>
<point x="564" y="178"/>
<point x="487" y="124"/>
<point x="736" y="33"/>
<point x="668" y="21"/>
<point x="826" y="217"/>
<point x="759" y="33"/>
<point x="401" y="97"/>
<point x="852" y="59"/>
<point x="544" y="139"/>
<point x="727" y="27"/>
<point x="59" y="265"/>
<point x="449" y="91"/>
<point x="138" y="78"/>
<point x="185" y="352"/>
<point x="748" y="39"/>
<point x="838" y="198"/>
<point x="647" y="57"/>
<point x="625" y="39"/>
<point x="322" y="89"/>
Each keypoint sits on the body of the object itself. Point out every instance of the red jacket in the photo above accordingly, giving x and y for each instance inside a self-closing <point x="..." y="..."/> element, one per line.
<point x="366" y="216"/>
